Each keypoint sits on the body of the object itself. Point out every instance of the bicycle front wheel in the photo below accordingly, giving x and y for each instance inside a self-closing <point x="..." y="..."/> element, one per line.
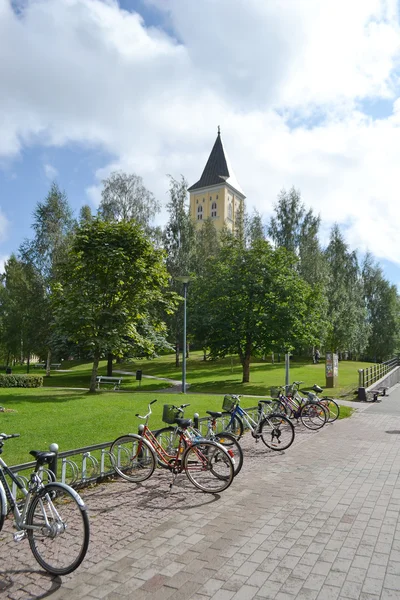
<point x="230" y="443"/>
<point x="277" y="432"/>
<point x="133" y="458"/>
<point x="208" y="466"/>
<point x="313" y="415"/>
<point x="332" y="407"/>
<point x="58" y="529"/>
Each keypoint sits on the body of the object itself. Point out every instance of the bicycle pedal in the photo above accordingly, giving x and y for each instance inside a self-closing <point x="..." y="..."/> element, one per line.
<point x="19" y="536"/>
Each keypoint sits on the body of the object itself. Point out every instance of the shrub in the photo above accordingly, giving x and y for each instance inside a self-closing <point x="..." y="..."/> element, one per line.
<point x="25" y="381"/>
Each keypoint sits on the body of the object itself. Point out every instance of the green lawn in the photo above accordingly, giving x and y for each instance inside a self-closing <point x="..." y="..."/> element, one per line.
<point x="73" y="418"/>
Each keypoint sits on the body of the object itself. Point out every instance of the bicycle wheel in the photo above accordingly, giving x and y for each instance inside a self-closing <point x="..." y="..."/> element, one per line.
<point x="3" y="506"/>
<point x="58" y="528"/>
<point x="208" y="466"/>
<point x="277" y="432"/>
<point x="313" y="415"/>
<point x="168" y="438"/>
<point x="332" y="407"/>
<point x="230" y="423"/>
<point x="230" y="443"/>
<point x="133" y="458"/>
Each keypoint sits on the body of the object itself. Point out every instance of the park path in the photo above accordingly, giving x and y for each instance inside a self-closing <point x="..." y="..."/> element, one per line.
<point x="320" y="521"/>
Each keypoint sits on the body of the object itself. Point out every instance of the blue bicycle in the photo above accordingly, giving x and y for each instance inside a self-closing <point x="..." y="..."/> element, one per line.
<point x="273" y="428"/>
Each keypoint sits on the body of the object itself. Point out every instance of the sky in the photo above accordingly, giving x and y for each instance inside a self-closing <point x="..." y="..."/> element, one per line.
<point x="307" y="94"/>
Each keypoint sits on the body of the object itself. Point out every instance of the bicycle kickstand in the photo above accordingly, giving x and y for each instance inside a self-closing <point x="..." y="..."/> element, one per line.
<point x="174" y="476"/>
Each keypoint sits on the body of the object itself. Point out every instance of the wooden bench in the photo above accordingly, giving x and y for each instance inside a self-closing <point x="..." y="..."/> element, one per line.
<point x="39" y="366"/>
<point x="55" y="366"/>
<point x="379" y="391"/>
<point x="113" y="380"/>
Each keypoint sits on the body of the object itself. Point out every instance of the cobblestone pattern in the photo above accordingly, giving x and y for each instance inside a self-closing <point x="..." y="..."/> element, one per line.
<point x="318" y="521"/>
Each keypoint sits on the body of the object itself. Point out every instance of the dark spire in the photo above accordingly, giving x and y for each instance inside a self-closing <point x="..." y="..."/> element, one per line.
<point x="216" y="170"/>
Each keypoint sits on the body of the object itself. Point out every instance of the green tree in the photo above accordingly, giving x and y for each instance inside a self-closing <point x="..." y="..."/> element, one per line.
<point x="348" y="325"/>
<point x="382" y="304"/>
<point x="53" y="227"/>
<point x="125" y="198"/>
<point x="179" y="245"/>
<point x="113" y="290"/>
<point x="21" y="301"/>
<point x="252" y="301"/>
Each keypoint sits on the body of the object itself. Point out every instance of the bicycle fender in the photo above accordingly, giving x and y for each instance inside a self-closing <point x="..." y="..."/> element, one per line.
<point x="64" y="486"/>
<point x="3" y="502"/>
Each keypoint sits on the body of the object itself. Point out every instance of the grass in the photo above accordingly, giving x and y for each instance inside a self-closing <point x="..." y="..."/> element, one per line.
<point x="74" y="418"/>
<point x="64" y="412"/>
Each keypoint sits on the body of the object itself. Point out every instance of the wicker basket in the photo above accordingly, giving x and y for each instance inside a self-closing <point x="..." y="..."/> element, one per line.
<point x="274" y="391"/>
<point x="228" y="404"/>
<point x="170" y="414"/>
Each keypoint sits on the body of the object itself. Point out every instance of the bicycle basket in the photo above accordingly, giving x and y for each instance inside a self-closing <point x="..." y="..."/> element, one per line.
<point x="274" y="391"/>
<point x="228" y="404"/>
<point x="170" y="413"/>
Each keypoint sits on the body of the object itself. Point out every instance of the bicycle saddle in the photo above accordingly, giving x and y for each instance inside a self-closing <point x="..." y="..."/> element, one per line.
<point x="214" y="414"/>
<point x="183" y="423"/>
<point x="42" y="457"/>
<point x="265" y="401"/>
<point x="317" y="388"/>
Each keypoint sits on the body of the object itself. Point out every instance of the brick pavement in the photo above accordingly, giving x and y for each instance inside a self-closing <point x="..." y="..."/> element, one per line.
<point x="319" y="521"/>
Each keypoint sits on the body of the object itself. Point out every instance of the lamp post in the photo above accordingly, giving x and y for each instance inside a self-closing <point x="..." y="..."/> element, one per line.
<point x="185" y="280"/>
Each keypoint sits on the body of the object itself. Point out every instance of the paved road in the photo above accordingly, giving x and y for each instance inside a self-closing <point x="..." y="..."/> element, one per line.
<point x="319" y="521"/>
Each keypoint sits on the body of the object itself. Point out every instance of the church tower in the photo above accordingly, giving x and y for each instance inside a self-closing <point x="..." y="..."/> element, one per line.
<point x="217" y="195"/>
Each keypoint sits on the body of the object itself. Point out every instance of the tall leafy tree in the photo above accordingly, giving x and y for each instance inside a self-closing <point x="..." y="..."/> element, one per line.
<point x="21" y="301"/>
<point x="125" y="198"/>
<point x="348" y="325"/>
<point x="382" y="304"/>
<point x="53" y="225"/>
<point x="253" y="301"/>
<point x="179" y="244"/>
<point x="112" y="292"/>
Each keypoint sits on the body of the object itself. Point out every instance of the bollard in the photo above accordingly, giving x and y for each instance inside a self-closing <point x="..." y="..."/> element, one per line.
<point x="196" y="420"/>
<point x="53" y="463"/>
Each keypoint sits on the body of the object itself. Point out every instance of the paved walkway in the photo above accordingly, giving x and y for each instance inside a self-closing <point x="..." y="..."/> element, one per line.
<point x="319" y="521"/>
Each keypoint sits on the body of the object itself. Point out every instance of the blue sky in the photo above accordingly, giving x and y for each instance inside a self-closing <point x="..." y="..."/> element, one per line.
<point x="90" y="86"/>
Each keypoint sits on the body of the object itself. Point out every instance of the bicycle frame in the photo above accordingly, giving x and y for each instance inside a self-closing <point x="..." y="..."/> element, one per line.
<point x="248" y="421"/>
<point x="161" y="453"/>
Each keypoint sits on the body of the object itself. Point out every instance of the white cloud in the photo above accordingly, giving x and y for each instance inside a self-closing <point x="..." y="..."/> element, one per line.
<point x="3" y="260"/>
<point x="88" y="72"/>
<point x="4" y="225"/>
<point x="50" y="171"/>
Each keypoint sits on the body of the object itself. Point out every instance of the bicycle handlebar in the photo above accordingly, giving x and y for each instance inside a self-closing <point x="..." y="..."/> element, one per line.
<point x="4" y="436"/>
<point x="149" y="413"/>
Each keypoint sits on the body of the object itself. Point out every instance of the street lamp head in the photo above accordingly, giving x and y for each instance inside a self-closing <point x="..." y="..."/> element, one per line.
<point x="183" y="278"/>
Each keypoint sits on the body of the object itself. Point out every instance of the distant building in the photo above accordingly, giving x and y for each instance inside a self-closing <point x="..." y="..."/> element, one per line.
<point x="217" y="195"/>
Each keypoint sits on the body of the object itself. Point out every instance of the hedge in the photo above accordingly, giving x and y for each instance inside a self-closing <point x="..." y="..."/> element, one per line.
<point x="25" y="381"/>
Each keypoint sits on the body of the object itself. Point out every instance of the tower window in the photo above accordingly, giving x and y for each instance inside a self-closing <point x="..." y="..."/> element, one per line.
<point x="199" y="213"/>
<point x="214" y="209"/>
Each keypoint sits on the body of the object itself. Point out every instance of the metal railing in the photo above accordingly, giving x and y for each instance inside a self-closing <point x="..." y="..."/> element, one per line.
<point x="368" y="376"/>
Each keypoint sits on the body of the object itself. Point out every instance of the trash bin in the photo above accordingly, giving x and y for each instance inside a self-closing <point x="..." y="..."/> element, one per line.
<point x="8" y="371"/>
<point x="138" y="375"/>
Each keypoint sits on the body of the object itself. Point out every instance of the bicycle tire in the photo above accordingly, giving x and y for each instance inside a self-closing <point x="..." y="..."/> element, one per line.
<point x="277" y="432"/>
<point x="168" y="438"/>
<point x="208" y="467"/>
<point x="313" y="415"/>
<point x="231" y="444"/>
<point x="332" y="407"/>
<point x="133" y="458"/>
<point x="231" y="424"/>
<point x="60" y="539"/>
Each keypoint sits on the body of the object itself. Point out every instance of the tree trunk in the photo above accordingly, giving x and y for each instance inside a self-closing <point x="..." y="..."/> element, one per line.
<point x="95" y="368"/>
<point x="246" y="367"/>
<point x="177" y="354"/>
<point x="187" y="350"/>
<point x="204" y="354"/>
<point x="28" y="363"/>
<point x="109" y="364"/>
<point x="48" y="362"/>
